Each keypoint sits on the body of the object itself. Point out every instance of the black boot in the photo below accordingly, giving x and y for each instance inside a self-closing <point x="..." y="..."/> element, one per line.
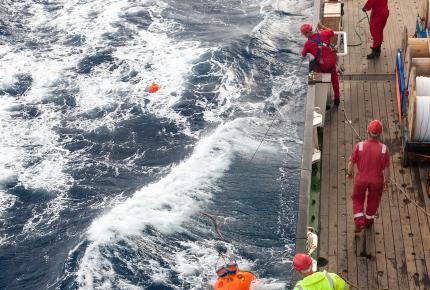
<point x="373" y="54"/>
<point x="378" y="51"/>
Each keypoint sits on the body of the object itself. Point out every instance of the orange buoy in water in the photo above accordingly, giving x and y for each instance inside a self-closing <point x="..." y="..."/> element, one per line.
<point x="153" y="88"/>
<point x="236" y="281"/>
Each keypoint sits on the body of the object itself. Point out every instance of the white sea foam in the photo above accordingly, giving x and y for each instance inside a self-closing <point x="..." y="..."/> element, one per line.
<point x="164" y="205"/>
<point x="268" y="284"/>
<point x="167" y="61"/>
<point x="33" y="154"/>
<point x="168" y="203"/>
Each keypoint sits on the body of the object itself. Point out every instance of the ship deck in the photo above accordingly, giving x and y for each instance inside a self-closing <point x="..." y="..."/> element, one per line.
<point x="395" y="253"/>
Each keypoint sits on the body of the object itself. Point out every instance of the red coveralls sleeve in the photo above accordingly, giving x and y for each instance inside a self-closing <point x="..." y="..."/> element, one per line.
<point x="305" y="49"/>
<point x="369" y="5"/>
<point x="354" y="155"/>
<point x="310" y="47"/>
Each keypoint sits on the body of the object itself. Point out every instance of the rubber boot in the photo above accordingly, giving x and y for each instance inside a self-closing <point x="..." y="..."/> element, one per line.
<point x="378" y="51"/>
<point x="358" y="228"/>
<point x="373" y="54"/>
<point x="337" y="102"/>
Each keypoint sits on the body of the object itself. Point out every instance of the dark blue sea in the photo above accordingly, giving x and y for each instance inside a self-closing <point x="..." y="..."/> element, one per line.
<point x="102" y="184"/>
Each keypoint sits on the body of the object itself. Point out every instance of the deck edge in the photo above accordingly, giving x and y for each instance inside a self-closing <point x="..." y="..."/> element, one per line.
<point x="306" y="162"/>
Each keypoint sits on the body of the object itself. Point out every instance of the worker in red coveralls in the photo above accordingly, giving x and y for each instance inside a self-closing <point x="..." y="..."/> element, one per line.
<point x="372" y="159"/>
<point x="323" y="57"/>
<point x="378" y="19"/>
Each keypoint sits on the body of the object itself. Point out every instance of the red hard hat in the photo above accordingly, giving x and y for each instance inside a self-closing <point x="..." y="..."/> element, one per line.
<point x="305" y="28"/>
<point x="375" y="127"/>
<point x="302" y="262"/>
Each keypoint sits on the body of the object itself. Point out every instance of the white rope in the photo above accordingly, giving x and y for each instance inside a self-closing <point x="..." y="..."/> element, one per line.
<point x="422" y="118"/>
<point x="422" y="112"/>
<point x="428" y="13"/>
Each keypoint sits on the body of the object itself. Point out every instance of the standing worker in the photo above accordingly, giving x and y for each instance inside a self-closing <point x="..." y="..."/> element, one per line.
<point x="302" y="263"/>
<point x="373" y="160"/>
<point x="323" y="57"/>
<point x="378" y="19"/>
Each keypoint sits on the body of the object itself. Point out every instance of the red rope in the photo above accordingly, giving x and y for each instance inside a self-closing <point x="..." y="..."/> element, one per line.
<point x="216" y="225"/>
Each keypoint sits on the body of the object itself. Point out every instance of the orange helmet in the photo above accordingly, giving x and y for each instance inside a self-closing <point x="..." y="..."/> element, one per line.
<point x="305" y="28"/>
<point x="302" y="262"/>
<point x="375" y="127"/>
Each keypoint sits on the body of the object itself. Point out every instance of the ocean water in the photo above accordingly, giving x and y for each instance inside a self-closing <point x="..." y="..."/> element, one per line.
<point x="102" y="184"/>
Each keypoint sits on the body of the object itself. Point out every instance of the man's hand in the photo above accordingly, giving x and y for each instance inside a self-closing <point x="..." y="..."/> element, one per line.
<point x="349" y="175"/>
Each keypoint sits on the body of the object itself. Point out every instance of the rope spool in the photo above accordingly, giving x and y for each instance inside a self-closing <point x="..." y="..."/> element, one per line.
<point x="421" y="131"/>
<point x="422" y="119"/>
<point x="427" y="11"/>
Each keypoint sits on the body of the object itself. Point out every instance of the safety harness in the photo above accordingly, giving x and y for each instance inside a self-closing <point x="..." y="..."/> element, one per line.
<point x="320" y="45"/>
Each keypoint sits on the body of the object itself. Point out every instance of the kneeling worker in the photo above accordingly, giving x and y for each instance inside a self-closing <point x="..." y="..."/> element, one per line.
<point x="302" y="263"/>
<point x="323" y="57"/>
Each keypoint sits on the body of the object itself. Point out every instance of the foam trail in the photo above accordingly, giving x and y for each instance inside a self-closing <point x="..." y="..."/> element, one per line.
<point x="168" y="203"/>
<point x="191" y="180"/>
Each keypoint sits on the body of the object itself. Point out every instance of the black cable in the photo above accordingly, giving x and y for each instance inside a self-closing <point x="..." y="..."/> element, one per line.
<point x="356" y="31"/>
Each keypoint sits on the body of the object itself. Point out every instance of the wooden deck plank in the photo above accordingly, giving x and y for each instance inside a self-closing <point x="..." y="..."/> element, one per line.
<point x="415" y="222"/>
<point x="384" y="233"/>
<point x="371" y="110"/>
<point x="420" y="183"/>
<point x="325" y="192"/>
<point x="333" y="218"/>
<point x="416" y="228"/>
<point x="350" y="96"/>
<point x="342" y="263"/>
<point x="391" y="129"/>
<point x="378" y="233"/>
<point x="403" y="210"/>
<point x="362" y="259"/>
<point x="407" y="218"/>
